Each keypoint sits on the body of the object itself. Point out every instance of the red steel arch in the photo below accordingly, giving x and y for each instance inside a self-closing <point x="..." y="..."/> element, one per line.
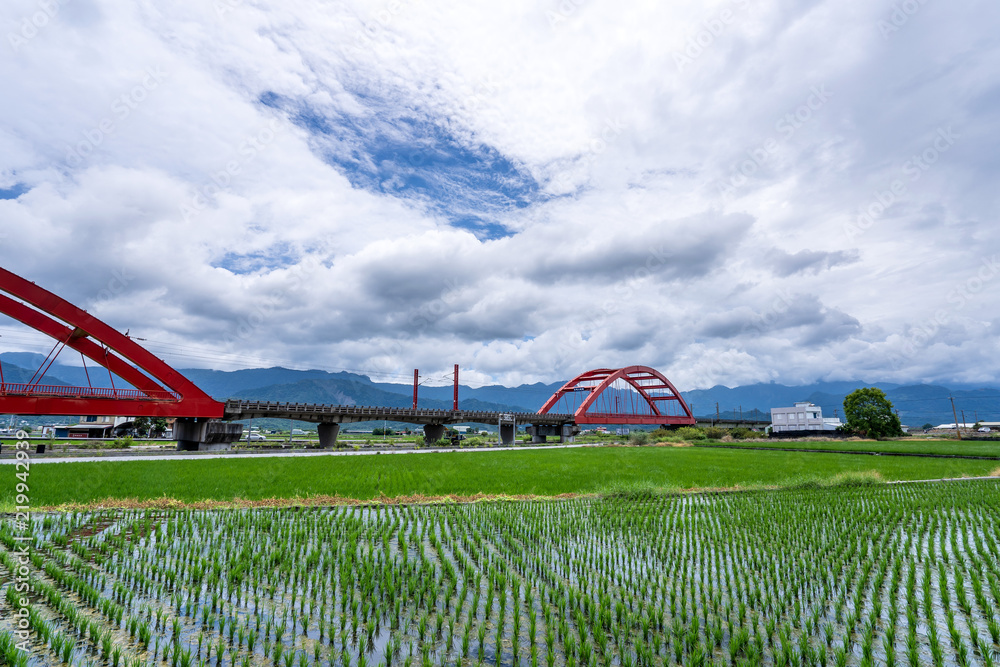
<point x="651" y="386"/>
<point x="158" y="390"/>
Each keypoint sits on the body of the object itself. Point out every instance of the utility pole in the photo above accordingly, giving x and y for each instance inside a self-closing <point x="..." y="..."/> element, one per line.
<point x="415" y="374"/>
<point x="716" y="412"/>
<point x="455" y="402"/>
<point x="963" y="418"/>
<point x="958" y="431"/>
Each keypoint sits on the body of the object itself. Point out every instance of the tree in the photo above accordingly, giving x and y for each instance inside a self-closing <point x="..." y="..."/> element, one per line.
<point x="158" y="427"/>
<point x="928" y="426"/>
<point x="141" y="426"/>
<point x="869" y="413"/>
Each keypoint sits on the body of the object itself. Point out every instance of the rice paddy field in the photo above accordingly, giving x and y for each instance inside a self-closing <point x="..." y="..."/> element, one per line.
<point x="932" y="447"/>
<point x="905" y="574"/>
<point x="586" y="470"/>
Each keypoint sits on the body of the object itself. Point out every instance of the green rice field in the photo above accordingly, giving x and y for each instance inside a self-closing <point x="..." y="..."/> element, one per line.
<point x="861" y="575"/>
<point x="935" y="447"/>
<point x="512" y="473"/>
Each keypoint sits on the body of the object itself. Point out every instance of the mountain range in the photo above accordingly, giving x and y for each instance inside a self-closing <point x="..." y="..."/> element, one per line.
<point x="917" y="404"/>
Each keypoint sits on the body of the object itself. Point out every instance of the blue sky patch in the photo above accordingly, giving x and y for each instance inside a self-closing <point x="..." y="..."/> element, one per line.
<point x="259" y="261"/>
<point x="13" y="192"/>
<point x="399" y="151"/>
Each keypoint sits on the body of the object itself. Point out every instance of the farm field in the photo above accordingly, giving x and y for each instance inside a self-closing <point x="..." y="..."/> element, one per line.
<point x="866" y="575"/>
<point x="909" y="446"/>
<point x="509" y="473"/>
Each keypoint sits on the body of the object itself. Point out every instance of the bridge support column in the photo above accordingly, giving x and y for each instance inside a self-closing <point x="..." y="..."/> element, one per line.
<point x="433" y="433"/>
<point x="507" y="434"/>
<point x="328" y="432"/>
<point x="568" y="432"/>
<point x="205" y="435"/>
<point x="541" y="432"/>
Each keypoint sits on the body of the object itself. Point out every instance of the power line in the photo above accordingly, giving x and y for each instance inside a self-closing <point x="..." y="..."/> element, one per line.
<point x="942" y="398"/>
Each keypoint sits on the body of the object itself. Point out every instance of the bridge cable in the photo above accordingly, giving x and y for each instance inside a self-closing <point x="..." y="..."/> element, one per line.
<point x="32" y="379"/>
<point x="62" y="346"/>
<point x="107" y="364"/>
<point x="90" y="384"/>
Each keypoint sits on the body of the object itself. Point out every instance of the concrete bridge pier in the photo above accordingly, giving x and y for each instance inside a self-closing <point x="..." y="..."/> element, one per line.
<point x="328" y="432"/>
<point x="541" y="432"/>
<point x="433" y="433"/>
<point x="508" y="434"/>
<point x="195" y="434"/>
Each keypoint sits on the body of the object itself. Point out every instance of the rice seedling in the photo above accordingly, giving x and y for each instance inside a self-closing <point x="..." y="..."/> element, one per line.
<point x="806" y="576"/>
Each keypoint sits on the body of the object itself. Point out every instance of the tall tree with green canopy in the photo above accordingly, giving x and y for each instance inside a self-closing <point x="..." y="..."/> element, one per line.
<point x="869" y="413"/>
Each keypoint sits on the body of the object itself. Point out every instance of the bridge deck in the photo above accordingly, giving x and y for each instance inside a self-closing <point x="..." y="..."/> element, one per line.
<point x="345" y="414"/>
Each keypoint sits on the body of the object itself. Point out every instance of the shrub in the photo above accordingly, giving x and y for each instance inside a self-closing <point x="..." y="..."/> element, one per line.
<point x="638" y="438"/>
<point x="418" y="441"/>
<point x="714" y="432"/>
<point x="744" y="433"/>
<point x="124" y="443"/>
<point x="443" y="442"/>
<point x="472" y="442"/>
<point x="690" y="433"/>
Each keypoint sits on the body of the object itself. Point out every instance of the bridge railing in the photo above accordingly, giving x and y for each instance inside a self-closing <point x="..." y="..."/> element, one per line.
<point x="236" y="406"/>
<point x="63" y="391"/>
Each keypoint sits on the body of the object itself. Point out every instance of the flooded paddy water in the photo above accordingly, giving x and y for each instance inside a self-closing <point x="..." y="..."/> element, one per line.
<point x="872" y="575"/>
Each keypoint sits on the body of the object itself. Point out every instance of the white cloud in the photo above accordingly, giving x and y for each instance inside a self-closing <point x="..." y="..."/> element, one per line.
<point x="288" y="183"/>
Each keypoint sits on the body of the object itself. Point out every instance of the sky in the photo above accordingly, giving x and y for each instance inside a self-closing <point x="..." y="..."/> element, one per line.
<point x="731" y="192"/>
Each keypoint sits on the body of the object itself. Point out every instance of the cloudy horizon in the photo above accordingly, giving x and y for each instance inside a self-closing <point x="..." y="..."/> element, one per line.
<point x="731" y="192"/>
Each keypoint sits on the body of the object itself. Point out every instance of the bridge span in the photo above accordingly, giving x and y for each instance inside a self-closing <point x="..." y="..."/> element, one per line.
<point x="330" y="417"/>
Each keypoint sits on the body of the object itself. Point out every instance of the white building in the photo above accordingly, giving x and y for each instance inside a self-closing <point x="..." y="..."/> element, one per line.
<point x="803" y="417"/>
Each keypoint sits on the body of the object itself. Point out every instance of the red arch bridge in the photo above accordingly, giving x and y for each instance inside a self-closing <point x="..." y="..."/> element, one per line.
<point x="146" y="386"/>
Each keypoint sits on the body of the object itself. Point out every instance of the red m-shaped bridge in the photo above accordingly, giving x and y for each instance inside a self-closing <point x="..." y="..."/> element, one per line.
<point x="636" y="395"/>
<point x="633" y="395"/>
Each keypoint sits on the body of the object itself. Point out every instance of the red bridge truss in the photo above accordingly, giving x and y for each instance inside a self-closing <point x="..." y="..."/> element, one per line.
<point x="156" y="390"/>
<point x="634" y="395"/>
